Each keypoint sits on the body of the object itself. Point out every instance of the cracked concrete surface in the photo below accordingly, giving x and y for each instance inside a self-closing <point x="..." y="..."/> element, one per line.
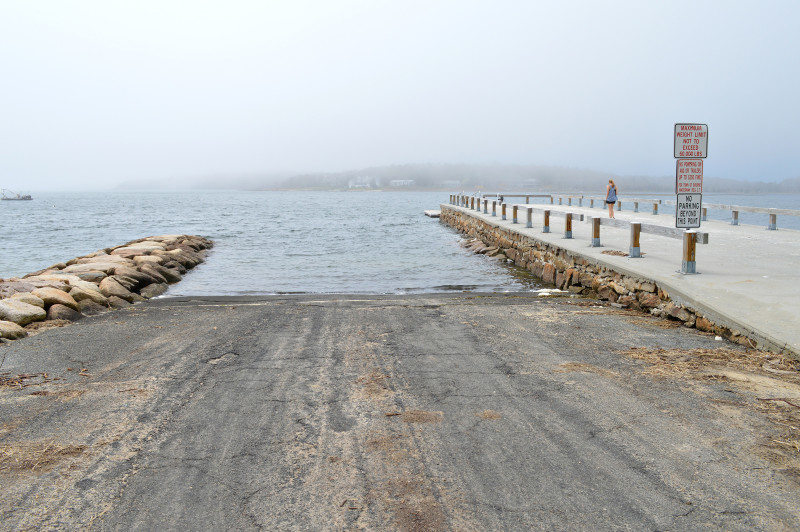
<point x="426" y="412"/>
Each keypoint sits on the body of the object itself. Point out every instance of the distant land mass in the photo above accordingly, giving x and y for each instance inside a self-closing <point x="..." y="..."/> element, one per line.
<point x="467" y="178"/>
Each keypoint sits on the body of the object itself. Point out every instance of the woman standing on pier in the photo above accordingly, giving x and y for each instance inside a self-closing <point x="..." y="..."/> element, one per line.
<point x="611" y="197"/>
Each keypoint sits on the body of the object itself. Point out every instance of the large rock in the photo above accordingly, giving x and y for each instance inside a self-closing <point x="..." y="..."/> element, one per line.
<point x="19" y="312"/>
<point x="648" y="300"/>
<point x="118" y="302"/>
<point x="104" y="258"/>
<point x="128" y="282"/>
<point x="80" y="294"/>
<point x="61" y="312"/>
<point x="170" y="276"/>
<point x="90" y="308"/>
<point x="107" y="267"/>
<point x="150" y="270"/>
<point x="110" y="287"/>
<point x="153" y="290"/>
<point x="607" y="293"/>
<point x="147" y="259"/>
<point x="53" y="296"/>
<point x="92" y="276"/>
<point x="12" y="331"/>
<point x="30" y="299"/>
<point x="141" y="278"/>
<point x="140" y="248"/>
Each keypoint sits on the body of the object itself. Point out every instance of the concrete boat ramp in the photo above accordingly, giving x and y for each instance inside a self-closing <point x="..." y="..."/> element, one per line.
<point x="747" y="276"/>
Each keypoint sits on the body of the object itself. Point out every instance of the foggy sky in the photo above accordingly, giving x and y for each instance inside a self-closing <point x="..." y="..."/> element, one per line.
<point x="99" y="92"/>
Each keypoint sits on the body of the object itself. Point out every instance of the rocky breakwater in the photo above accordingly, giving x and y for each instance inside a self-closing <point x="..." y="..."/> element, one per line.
<point x="107" y="279"/>
<point x="583" y="276"/>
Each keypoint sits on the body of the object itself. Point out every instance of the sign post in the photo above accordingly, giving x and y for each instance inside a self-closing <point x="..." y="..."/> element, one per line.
<point x="691" y="147"/>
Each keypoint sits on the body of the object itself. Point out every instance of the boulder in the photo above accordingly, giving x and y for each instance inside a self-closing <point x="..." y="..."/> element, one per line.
<point x="176" y="267"/>
<point x="147" y="259"/>
<point x="80" y="294"/>
<point x="19" y="312"/>
<point x="128" y="253"/>
<point x="92" y="277"/>
<point x="679" y="313"/>
<point x="118" y="302"/>
<point x="57" y="278"/>
<point x="141" y="278"/>
<point x="90" y="308"/>
<point x="619" y="289"/>
<point x="54" y="296"/>
<point x="704" y="324"/>
<point x="151" y="271"/>
<point x="12" y="331"/>
<point x="106" y="267"/>
<point x="153" y="290"/>
<point x="110" y="287"/>
<point x="129" y="283"/>
<point x="170" y="276"/>
<point x="648" y="300"/>
<point x="549" y="273"/>
<point x="104" y="259"/>
<point x="61" y="312"/>
<point x="30" y="299"/>
<point x="607" y="293"/>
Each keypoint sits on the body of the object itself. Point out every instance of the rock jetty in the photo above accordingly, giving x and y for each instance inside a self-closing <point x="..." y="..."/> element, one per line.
<point x="578" y="274"/>
<point x="107" y="279"/>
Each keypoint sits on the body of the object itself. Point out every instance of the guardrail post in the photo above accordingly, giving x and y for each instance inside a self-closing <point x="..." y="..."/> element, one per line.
<point x="619" y="205"/>
<point x="530" y="217"/>
<point x="595" y="232"/>
<point x="503" y="211"/>
<point x="514" y="214"/>
<point x="580" y="201"/>
<point x="569" y="201"/>
<point x="494" y="207"/>
<point x="568" y="225"/>
<point x="486" y="206"/>
<point x="472" y="205"/>
<point x="635" y="206"/>
<point x="636" y="229"/>
<point x="773" y="222"/>
<point x="704" y="214"/>
<point x="551" y="199"/>
<point x="591" y="203"/>
<point x="689" y="265"/>
<point x="560" y="200"/>
<point x="734" y="217"/>
<point x="655" y="207"/>
<point x="546" y="225"/>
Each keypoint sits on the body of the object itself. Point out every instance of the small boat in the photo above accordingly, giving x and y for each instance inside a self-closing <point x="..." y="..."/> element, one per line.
<point x="9" y="195"/>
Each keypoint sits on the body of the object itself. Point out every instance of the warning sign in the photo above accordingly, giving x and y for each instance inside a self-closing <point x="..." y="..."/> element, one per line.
<point x="691" y="141"/>
<point x="687" y="210"/>
<point x="689" y="176"/>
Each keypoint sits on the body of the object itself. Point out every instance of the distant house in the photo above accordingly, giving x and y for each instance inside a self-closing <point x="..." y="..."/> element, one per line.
<point x="401" y="183"/>
<point x="360" y="182"/>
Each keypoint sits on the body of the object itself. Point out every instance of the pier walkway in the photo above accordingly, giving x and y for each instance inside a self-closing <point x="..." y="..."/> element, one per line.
<point x="748" y="277"/>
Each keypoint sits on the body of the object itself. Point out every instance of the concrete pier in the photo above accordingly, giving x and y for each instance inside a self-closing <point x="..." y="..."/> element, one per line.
<point x="746" y="276"/>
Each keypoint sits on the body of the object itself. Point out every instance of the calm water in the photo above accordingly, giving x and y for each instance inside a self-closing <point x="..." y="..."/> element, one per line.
<point x="284" y="242"/>
<point x="265" y="242"/>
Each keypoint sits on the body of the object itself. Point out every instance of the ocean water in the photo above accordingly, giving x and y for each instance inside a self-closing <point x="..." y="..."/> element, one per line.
<point x="285" y="242"/>
<point x="265" y="242"/>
